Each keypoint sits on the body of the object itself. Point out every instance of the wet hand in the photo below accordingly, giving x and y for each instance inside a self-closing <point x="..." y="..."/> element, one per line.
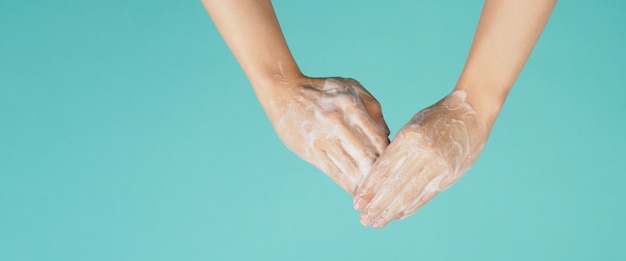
<point x="334" y="124"/>
<point x="429" y="154"/>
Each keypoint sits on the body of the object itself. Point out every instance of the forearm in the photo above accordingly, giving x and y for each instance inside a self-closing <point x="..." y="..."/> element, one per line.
<point x="506" y="34"/>
<point x="251" y="30"/>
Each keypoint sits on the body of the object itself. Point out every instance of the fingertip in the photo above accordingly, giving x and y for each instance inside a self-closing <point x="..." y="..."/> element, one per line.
<point x="366" y="219"/>
<point x="379" y="223"/>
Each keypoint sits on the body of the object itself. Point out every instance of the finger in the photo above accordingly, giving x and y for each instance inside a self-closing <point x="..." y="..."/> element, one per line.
<point x="329" y="165"/>
<point x="333" y="169"/>
<point x="346" y="163"/>
<point x="393" y="189"/>
<point x="375" y="135"/>
<point x="387" y="215"/>
<point x="358" y="148"/>
<point x="405" y="198"/>
<point x="386" y="165"/>
<point x="354" y="113"/>
<point x="370" y="103"/>
<point x="420" y="194"/>
<point x="368" y="130"/>
<point x="417" y="205"/>
<point x="373" y="108"/>
<point x="327" y="156"/>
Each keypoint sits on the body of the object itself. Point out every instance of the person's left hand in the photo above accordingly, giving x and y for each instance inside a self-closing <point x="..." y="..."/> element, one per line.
<point x="428" y="155"/>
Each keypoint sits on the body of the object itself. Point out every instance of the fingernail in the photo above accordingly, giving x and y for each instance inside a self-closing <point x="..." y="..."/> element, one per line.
<point x="380" y="222"/>
<point x="366" y="220"/>
<point x="359" y="203"/>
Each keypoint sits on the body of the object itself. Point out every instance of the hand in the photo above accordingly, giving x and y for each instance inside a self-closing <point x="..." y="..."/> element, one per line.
<point x="428" y="155"/>
<point x="334" y="124"/>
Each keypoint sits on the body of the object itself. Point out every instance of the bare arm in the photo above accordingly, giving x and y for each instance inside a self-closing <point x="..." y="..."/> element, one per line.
<point x="440" y="143"/>
<point x="251" y="30"/>
<point x="505" y="37"/>
<point x="332" y="123"/>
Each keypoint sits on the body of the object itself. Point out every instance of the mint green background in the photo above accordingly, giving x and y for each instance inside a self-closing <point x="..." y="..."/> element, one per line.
<point x="129" y="132"/>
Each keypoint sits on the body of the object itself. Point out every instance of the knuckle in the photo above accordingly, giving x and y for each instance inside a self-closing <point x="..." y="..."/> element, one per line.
<point x="352" y="81"/>
<point x="374" y="209"/>
<point x="333" y="116"/>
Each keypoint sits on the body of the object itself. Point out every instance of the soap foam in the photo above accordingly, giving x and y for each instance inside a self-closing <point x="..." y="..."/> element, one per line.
<point x="326" y="123"/>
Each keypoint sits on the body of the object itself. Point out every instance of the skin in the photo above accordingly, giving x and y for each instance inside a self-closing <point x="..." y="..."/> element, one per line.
<point x="333" y="123"/>
<point x="336" y="125"/>
<point x="332" y="127"/>
<point x="428" y="155"/>
<point x="440" y="143"/>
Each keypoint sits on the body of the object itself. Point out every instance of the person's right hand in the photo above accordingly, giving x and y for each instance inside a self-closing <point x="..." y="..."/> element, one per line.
<point x="332" y="123"/>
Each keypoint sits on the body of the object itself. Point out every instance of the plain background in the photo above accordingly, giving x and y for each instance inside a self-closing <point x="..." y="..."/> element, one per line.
<point x="129" y="132"/>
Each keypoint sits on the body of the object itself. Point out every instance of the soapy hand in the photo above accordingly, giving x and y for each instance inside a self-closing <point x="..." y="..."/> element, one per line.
<point x="334" y="124"/>
<point x="428" y="155"/>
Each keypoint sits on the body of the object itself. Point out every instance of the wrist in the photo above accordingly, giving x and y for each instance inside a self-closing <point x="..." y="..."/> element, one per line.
<point x="486" y="101"/>
<point x="275" y="89"/>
